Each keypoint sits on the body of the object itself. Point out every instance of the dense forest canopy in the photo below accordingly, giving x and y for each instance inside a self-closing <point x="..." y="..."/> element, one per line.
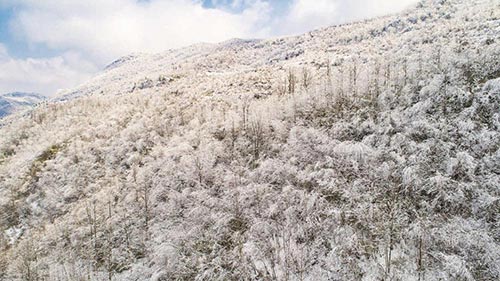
<point x="367" y="151"/>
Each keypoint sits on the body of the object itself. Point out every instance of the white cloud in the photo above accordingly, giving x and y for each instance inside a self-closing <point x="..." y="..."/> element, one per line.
<point x="45" y="76"/>
<point x="106" y="29"/>
<point x="306" y="15"/>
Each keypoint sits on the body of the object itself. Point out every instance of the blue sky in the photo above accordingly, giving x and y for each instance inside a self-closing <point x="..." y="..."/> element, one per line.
<point x="16" y="46"/>
<point x="50" y="45"/>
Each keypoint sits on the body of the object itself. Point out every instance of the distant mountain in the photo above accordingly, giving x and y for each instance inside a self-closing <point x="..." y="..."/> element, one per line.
<point x="17" y="101"/>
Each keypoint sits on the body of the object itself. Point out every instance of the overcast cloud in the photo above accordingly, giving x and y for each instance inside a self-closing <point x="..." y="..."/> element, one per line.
<point x="88" y="34"/>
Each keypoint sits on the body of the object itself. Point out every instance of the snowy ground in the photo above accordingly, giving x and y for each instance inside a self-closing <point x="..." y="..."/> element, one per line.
<point x="368" y="151"/>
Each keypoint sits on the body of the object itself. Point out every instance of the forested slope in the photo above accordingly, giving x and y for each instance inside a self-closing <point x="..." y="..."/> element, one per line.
<point x="367" y="151"/>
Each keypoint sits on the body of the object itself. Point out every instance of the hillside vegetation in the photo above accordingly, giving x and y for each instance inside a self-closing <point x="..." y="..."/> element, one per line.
<point x="367" y="151"/>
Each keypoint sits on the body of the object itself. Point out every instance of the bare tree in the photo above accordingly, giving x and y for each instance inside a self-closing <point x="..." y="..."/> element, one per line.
<point x="143" y="191"/>
<point x="245" y="108"/>
<point x="306" y="78"/>
<point x="353" y="78"/>
<point x="387" y="75"/>
<point x="291" y="81"/>
<point x="256" y="134"/>
<point x="108" y="246"/>
<point x="3" y="258"/>
<point x="28" y="265"/>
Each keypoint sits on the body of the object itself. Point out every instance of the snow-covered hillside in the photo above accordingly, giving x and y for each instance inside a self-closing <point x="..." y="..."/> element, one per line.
<point x="367" y="151"/>
<point x="15" y="102"/>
